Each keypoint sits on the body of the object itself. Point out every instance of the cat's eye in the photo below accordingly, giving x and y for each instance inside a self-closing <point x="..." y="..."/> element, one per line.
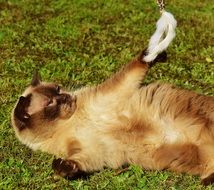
<point x="50" y="102"/>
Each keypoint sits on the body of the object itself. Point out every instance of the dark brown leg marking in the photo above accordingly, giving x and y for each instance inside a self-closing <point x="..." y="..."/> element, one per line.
<point x="209" y="180"/>
<point x="67" y="169"/>
<point x="162" y="57"/>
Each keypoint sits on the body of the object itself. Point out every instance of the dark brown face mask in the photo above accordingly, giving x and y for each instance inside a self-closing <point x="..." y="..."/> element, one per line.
<point x="52" y="112"/>
<point x="20" y="112"/>
<point x="21" y="116"/>
<point x="53" y="104"/>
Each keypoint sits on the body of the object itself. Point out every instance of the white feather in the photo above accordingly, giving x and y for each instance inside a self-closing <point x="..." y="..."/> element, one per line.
<point x="164" y="34"/>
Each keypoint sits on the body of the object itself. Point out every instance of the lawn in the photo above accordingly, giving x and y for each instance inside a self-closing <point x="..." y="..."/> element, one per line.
<point x="82" y="42"/>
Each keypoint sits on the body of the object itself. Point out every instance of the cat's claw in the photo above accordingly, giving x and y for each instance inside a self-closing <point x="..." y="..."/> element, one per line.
<point x="67" y="168"/>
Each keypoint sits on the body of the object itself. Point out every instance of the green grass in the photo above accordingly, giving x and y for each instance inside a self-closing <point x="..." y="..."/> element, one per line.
<point x="82" y="42"/>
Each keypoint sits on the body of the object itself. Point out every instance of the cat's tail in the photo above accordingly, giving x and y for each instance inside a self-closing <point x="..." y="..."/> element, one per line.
<point x="160" y="40"/>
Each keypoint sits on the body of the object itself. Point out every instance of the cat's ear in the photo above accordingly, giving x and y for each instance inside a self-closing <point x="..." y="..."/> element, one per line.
<point x="36" y="78"/>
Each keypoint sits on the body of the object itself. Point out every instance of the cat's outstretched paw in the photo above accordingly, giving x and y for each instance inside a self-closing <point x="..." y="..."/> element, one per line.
<point x="67" y="168"/>
<point x="162" y="57"/>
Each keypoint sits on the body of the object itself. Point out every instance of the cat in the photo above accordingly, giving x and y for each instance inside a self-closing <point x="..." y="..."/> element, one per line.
<point x="120" y="121"/>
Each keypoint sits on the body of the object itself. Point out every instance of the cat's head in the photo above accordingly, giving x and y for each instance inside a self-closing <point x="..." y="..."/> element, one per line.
<point x="40" y="110"/>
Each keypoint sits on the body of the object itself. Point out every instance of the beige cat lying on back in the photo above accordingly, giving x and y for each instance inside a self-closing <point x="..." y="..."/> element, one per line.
<point x="117" y="122"/>
<point x="120" y="122"/>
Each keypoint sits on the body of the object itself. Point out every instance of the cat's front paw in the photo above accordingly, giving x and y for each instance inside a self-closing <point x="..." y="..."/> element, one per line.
<point x="66" y="168"/>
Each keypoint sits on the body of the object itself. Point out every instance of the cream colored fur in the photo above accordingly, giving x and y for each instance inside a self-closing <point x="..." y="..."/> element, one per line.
<point x="121" y="122"/>
<point x="117" y="122"/>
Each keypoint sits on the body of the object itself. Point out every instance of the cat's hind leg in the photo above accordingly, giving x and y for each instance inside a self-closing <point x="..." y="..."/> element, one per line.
<point x="207" y="156"/>
<point x="208" y="180"/>
<point x="188" y="158"/>
<point x="179" y="158"/>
